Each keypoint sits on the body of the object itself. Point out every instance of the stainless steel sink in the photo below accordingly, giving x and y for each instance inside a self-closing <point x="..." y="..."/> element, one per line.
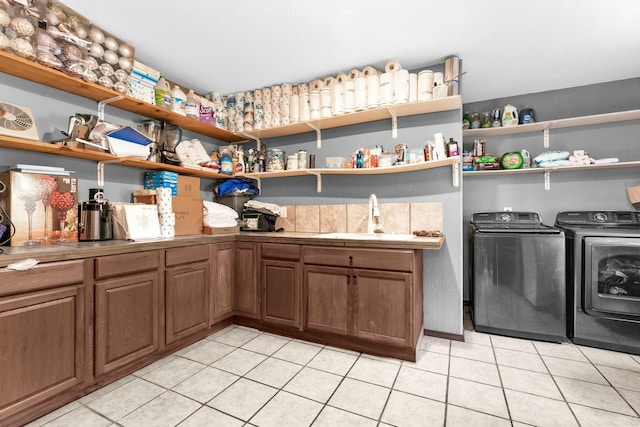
<point x="365" y="236"/>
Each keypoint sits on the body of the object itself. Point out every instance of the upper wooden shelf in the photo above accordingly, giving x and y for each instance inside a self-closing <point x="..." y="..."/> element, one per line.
<point x="99" y="156"/>
<point x="364" y="116"/>
<point x="20" y="67"/>
<point x="595" y="119"/>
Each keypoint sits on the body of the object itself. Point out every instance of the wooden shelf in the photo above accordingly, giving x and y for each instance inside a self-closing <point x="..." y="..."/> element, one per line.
<point x="20" y="67"/>
<point x="369" y="115"/>
<point x="618" y="165"/>
<point x="595" y="119"/>
<point x="99" y="156"/>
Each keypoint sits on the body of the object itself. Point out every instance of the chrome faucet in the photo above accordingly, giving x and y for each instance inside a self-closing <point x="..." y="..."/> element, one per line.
<point x="374" y="225"/>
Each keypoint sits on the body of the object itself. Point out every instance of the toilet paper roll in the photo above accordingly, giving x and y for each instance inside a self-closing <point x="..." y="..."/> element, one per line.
<point x="337" y="99"/>
<point x="294" y="91"/>
<point x="349" y="96"/>
<point x="163" y="200"/>
<point x="373" y="90"/>
<point x="413" y="87"/>
<point x="286" y="89"/>
<point x="328" y="81"/>
<point x="303" y="88"/>
<point x="354" y="74"/>
<point x="305" y="113"/>
<point x="438" y="78"/>
<point x="341" y="78"/>
<point x="369" y="70"/>
<point x="392" y="66"/>
<point x="266" y="119"/>
<point x="386" y="89"/>
<point x="316" y="85"/>
<point x="167" y="219"/>
<point x="266" y="95"/>
<point x="167" y="231"/>
<point x="425" y="85"/>
<point x="314" y="104"/>
<point x="325" y="102"/>
<point x="276" y="91"/>
<point x="294" y="109"/>
<point x="400" y="86"/>
<point x="257" y="95"/>
<point x="258" y="115"/>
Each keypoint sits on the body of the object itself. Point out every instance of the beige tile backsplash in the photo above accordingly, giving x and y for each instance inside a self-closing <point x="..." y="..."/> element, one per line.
<point x="352" y="218"/>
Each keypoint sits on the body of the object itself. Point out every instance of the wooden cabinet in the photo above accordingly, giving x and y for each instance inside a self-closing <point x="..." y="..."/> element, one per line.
<point x="247" y="296"/>
<point x="222" y="291"/>
<point x="281" y="283"/>
<point x="187" y="283"/>
<point x="371" y="294"/>
<point x="127" y="292"/>
<point x="42" y="341"/>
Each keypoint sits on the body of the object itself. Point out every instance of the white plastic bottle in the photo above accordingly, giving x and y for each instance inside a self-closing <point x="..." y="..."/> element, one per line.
<point x="192" y="106"/>
<point x="162" y="93"/>
<point x="179" y="101"/>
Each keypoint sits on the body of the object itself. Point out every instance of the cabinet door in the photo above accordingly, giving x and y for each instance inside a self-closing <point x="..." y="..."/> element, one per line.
<point x="246" y="296"/>
<point x="222" y="282"/>
<point x="281" y="294"/>
<point x="327" y="291"/>
<point x="382" y="309"/>
<point x="187" y="300"/>
<point x="41" y="346"/>
<point x="126" y="320"/>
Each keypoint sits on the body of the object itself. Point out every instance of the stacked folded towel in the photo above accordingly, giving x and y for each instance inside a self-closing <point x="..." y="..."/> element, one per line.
<point x="261" y="206"/>
<point x="216" y="215"/>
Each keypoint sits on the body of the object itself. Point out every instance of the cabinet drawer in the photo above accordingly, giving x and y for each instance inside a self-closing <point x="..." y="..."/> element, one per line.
<point x="186" y="255"/>
<point x="377" y="259"/>
<point x="280" y="251"/>
<point x="117" y="265"/>
<point x="41" y="276"/>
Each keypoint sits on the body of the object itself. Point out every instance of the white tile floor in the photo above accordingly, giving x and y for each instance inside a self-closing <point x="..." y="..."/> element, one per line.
<point x="242" y="377"/>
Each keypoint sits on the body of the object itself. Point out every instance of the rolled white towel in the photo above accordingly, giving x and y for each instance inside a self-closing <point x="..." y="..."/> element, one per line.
<point x="218" y="209"/>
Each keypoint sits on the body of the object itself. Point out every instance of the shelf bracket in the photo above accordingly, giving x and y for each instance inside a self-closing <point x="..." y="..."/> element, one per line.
<point x="455" y="171"/>
<point x="547" y="180"/>
<point x="318" y="180"/>
<point x="256" y="139"/>
<point x="394" y="123"/>
<point x="103" y="104"/>
<point x="546" y="137"/>
<point x="318" y="134"/>
<point x="100" y="168"/>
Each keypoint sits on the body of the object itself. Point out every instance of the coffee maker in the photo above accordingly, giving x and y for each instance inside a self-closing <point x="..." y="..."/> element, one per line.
<point x="170" y="137"/>
<point x="94" y="218"/>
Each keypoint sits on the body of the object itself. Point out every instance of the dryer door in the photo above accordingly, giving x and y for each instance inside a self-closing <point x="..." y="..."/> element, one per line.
<point x="611" y="277"/>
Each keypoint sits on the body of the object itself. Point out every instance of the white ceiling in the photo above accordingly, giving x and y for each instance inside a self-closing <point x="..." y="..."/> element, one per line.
<point x="507" y="48"/>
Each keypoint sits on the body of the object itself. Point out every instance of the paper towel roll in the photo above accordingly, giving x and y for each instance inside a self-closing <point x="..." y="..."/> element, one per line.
<point x="341" y="78"/>
<point x="167" y="219"/>
<point x="266" y="95"/>
<point x="425" y="85"/>
<point x="361" y="93"/>
<point x="438" y="78"/>
<point x="258" y="114"/>
<point x="354" y="74"/>
<point x="337" y="99"/>
<point x="452" y="74"/>
<point x="392" y="66"/>
<point x="325" y="102"/>
<point x="303" y="88"/>
<point x="305" y="113"/>
<point x="369" y="70"/>
<point x="163" y="199"/>
<point x="373" y="90"/>
<point x="413" y="87"/>
<point x="328" y="81"/>
<point x="257" y="95"/>
<point x="286" y="89"/>
<point x="386" y="89"/>
<point x="349" y="96"/>
<point x="314" y="104"/>
<point x="294" y="108"/>
<point x="276" y="91"/>
<point x="400" y="86"/>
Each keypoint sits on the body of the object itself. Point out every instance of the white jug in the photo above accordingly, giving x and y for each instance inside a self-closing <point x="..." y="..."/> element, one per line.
<point x="509" y="115"/>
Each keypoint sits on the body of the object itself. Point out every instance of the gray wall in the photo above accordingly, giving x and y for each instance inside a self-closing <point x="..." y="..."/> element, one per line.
<point x="443" y="269"/>
<point x="578" y="190"/>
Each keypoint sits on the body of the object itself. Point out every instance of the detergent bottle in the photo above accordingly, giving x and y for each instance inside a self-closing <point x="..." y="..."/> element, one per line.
<point x="509" y="115"/>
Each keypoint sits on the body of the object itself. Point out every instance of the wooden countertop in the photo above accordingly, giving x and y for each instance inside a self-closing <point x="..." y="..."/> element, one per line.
<point x="79" y="250"/>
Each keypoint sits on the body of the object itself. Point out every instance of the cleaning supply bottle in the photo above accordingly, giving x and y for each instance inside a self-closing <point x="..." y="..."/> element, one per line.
<point x="466" y="121"/>
<point x="509" y="115"/>
<point x="162" y="93"/>
<point x="226" y="162"/>
<point x="192" y="106"/>
<point x="179" y="100"/>
<point x="527" y="115"/>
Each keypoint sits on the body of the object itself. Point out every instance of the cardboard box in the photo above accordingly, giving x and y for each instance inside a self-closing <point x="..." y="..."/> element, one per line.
<point x="43" y="208"/>
<point x="188" y="211"/>
<point x="634" y="197"/>
<point x="188" y="186"/>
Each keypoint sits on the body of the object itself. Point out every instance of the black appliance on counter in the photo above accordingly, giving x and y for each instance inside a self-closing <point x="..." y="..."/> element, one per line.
<point x="517" y="276"/>
<point x="603" y="278"/>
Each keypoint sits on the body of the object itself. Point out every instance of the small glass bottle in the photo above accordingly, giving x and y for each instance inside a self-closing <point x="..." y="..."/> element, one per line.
<point x="485" y="120"/>
<point x="466" y="122"/>
<point x="452" y="148"/>
<point x="475" y="120"/>
<point x="359" y="163"/>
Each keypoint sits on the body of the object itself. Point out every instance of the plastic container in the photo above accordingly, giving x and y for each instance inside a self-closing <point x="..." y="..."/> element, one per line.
<point x="509" y="115"/>
<point x="162" y="92"/>
<point x="335" y="162"/>
<point x="226" y="163"/>
<point x="235" y="201"/>
<point x="275" y="160"/>
<point x="192" y="105"/>
<point x="179" y="100"/>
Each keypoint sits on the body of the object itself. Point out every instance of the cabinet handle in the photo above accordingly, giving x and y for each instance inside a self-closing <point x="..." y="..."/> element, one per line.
<point x="350" y="260"/>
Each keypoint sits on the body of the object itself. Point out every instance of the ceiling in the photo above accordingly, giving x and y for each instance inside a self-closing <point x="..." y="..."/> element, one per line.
<point x="507" y="48"/>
